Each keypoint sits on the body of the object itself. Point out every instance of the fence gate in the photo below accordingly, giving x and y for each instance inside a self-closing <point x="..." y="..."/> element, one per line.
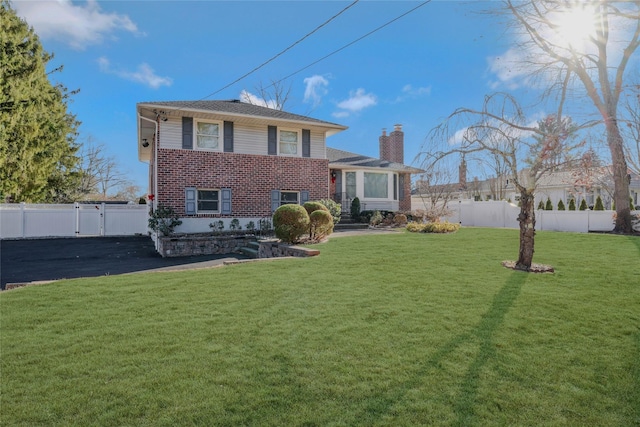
<point x="89" y="220"/>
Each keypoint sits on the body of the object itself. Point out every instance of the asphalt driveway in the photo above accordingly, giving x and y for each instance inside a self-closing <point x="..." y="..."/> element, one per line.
<point x="51" y="259"/>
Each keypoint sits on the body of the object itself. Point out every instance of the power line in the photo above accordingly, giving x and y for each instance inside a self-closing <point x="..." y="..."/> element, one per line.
<point x="282" y="52"/>
<point x="351" y="43"/>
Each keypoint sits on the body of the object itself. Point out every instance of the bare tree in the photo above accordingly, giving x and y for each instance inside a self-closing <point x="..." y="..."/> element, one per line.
<point x="631" y="128"/>
<point x="501" y="129"/>
<point x="571" y="41"/>
<point x="436" y="190"/>
<point x="101" y="173"/>
<point x="274" y="95"/>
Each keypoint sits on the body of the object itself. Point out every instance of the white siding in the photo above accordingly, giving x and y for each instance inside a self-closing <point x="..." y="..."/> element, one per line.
<point x="171" y="134"/>
<point x="318" y="150"/>
<point x="248" y="138"/>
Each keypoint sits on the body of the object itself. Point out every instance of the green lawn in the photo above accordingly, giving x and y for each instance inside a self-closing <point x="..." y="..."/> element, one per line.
<point x="387" y="330"/>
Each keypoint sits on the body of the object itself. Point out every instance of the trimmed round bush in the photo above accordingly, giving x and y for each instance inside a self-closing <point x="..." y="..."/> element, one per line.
<point x="400" y="219"/>
<point x="321" y="224"/>
<point x="314" y="206"/>
<point x="290" y="222"/>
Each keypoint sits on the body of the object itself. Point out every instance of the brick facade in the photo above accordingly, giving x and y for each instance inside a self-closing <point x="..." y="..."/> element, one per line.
<point x="250" y="178"/>
<point x="405" y="202"/>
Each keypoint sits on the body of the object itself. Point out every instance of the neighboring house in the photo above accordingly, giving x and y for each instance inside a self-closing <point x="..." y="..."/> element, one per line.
<point x="212" y="160"/>
<point x="379" y="184"/>
<point x="559" y="185"/>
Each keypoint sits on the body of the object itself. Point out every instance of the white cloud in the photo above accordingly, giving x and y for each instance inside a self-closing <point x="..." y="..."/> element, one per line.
<point x="418" y="91"/>
<point x="315" y="89"/>
<point x="510" y="69"/>
<point x="408" y="91"/>
<point x="356" y="102"/>
<point x="77" y="25"/>
<point x="246" y="96"/>
<point x="144" y="74"/>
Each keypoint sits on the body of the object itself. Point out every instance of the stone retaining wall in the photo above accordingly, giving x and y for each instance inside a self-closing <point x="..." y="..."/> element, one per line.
<point x="274" y="249"/>
<point x="193" y="244"/>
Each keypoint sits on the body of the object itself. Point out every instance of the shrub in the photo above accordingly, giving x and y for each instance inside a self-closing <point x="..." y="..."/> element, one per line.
<point x="335" y="209"/>
<point x="164" y="220"/>
<point x="572" y="204"/>
<point x="541" y="205"/>
<point x="235" y="225"/>
<point x="355" y="209"/>
<point x="251" y="226"/>
<point x="314" y="206"/>
<point x="599" y="206"/>
<point x="290" y="222"/>
<point x="561" y="205"/>
<point x="400" y="219"/>
<point x="376" y="218"/>
<point x="548" y="206"/>
<point x="217" y="226"/>
<point x="321" y="224"/>
<point x="433" y="227"/>
<point x="365" y="216"/>
<point x="583" y="205"/>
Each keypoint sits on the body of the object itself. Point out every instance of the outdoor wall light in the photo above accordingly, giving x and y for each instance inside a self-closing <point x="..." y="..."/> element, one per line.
<point x="145" y="143"/>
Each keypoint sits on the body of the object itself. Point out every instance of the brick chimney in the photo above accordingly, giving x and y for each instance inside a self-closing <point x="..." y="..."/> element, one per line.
<point x="392" y="145"/>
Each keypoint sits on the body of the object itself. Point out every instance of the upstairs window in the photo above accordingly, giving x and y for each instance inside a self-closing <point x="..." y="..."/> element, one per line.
<point x="207" y="135"/>
<point x="288" y="142"/>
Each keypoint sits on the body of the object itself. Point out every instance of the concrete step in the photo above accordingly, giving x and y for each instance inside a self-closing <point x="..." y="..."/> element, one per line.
<point x="350" y="226"/>
<point x="249" y="252"/>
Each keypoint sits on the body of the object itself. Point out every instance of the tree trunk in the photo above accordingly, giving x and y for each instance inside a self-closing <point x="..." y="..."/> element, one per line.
<point x="620" y="178"/>
<point x="527" y="220"/>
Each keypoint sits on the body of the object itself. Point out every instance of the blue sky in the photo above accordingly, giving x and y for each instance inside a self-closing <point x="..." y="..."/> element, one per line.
<point x="415" y="71"/>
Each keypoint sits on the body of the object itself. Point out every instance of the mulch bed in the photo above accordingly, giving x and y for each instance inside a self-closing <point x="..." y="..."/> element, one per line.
<point x="535" y="268"/>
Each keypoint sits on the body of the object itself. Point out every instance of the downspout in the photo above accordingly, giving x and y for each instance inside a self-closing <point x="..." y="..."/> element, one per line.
<point x="154" y="202"/>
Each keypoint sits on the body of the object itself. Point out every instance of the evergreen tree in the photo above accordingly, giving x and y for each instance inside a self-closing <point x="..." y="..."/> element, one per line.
<point x="541" y="205"/>
<point x="599" y="205"/>
<point x="572" y="204"/>
<point x="583" y="205"/>
<point x="561" y="205"/>
<point x="549" y="205"/>
<point x="38" y="161"/>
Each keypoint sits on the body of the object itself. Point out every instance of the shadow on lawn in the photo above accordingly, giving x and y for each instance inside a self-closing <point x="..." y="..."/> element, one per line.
<point x="382" y="403"/>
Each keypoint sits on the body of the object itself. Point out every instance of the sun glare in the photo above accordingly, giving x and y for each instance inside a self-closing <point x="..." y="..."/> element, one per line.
<point x="575" y="26"/>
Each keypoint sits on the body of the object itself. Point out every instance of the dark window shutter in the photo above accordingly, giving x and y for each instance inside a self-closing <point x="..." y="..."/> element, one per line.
<point x="272" y="136"/>
<point x="395" y="187"/>
<point x="226" y="201"/>
<point x="306" y="143"/>
<point x="304" y="197"/>
<point x="401" y="185"/>
<point x="228" y="137"/>
<point x="275" y="200"/>
<point x="187" y="133"/>
<point x="190" y="200"/>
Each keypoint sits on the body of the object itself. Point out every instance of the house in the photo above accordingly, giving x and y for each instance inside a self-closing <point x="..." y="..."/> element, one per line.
<point x="216" y="161"/>
<point x="379" y="184"/>
<point x="564" y="184"/>
<point x="224" y="160"/>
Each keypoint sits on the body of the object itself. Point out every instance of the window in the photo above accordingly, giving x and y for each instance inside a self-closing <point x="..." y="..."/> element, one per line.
<point x="350" y="185"/>
<point x="288" y="142"/>
<point x="376" y="185"/>
<point x="288" y="197"/>
<point x="208" y="201"/>
<point x="207" y="135"/>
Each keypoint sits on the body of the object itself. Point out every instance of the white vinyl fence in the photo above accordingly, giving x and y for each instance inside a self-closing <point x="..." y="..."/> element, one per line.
<point x="22" y="220"/>
<point x="505" y="215"/>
